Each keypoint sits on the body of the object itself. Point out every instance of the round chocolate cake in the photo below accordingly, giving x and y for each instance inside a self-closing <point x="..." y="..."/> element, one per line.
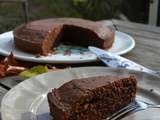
<point x="39" y="37"/>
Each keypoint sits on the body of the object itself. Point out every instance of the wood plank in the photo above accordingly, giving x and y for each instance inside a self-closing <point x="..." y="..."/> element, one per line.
<point x="9" y="82"/>
<point x="147" y="49"/>
<point x="146" y="52"/>
<point x="139" y="26"/>
<point x="134" y="26"/>
<point x="135" y="31"/>
<point x="153" y="12"/>
<point x="145" y="34"/>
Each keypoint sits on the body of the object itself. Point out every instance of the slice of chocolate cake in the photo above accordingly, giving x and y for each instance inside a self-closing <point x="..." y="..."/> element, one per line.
<point x="41" y="36"/>
<point x="93" y="98"/>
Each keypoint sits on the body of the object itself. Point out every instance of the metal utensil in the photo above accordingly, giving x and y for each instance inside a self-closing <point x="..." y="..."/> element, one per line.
<point x="133" y="107"/>
<point x="123" y="111"/>
<point x="116" y="61"/>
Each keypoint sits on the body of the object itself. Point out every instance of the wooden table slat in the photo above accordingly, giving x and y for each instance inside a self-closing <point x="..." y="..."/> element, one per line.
<point x="147" y="38"/>
<point x="130" y="28"/>
<point x="10" y="82"/>
<point x="137" y="26"/>
<point x="145" y="34"/>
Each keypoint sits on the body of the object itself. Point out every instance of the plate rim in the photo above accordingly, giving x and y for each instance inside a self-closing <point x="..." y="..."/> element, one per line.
<point x="70" y="61"/>
<point x="130" y="47"/>
<point x="63" y="70"/>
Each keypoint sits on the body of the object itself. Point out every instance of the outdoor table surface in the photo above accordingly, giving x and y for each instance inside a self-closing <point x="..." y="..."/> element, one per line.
<point x="146" y="51"/>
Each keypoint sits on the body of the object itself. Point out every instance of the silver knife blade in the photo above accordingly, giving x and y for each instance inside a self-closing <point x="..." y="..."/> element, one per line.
<point x="116" y="61"/>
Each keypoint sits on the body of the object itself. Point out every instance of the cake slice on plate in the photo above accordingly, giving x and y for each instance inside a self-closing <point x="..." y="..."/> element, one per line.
<point x="93" y="98"/>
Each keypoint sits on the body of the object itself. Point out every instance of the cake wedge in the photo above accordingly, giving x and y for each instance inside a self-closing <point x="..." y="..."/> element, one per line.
<point x="93" y="98"/>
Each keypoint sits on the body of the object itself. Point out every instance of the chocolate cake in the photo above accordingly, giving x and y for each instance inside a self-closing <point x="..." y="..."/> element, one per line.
<point x="41" y="36"/>
<point x="93" y="98"/>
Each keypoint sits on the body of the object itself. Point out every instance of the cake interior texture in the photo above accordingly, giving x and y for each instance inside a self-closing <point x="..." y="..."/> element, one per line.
<point x="94" y="98"/>
<point x="42" y="35"/>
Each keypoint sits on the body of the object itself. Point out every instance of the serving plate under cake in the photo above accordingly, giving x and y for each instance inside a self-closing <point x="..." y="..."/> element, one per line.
<point x="65" y="54"/>
<point x="27" y="100"/>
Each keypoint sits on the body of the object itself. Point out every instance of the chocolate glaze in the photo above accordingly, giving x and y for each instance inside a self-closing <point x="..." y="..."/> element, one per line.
<point x="42" y="35"/>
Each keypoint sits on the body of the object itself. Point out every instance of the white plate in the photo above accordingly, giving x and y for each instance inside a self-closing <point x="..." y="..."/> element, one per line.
<point x="27" y="101"/>
<point x="123" y="43"/>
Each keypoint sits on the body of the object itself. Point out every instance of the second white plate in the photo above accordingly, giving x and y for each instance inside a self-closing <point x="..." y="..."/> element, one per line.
<point x="28" y="100"/>
<point x="65" y="54"/>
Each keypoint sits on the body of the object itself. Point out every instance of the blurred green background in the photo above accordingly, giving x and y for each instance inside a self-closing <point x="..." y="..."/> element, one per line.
<point x="11" y="14"/>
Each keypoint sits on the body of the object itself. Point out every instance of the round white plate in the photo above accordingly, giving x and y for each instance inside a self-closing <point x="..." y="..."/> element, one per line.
<point x="27" y="100"/>
<point x="65" y="54"/>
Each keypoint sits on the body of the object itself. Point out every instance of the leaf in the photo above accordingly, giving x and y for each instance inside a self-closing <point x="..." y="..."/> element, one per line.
<point x="75" y="1"/>
<point x="34" y="71"/>
<point x="10" y="60"/>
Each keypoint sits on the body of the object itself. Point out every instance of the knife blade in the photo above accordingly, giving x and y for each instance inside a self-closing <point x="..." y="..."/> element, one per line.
<point x="116" y="61"/>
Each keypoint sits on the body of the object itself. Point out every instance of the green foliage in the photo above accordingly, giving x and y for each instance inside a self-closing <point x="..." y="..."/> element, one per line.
<point x="52" y="8"/>
<point x="11" y="14"/>
<point x="78" y="1"/>
<point x="97" y="9"/>
<point x="34" y="71"/>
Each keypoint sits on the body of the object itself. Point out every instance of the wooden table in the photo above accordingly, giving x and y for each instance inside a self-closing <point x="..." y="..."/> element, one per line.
<point x="146" y="51"/>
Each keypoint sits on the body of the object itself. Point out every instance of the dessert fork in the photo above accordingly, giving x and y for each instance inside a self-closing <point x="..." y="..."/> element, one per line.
<point x="135" y="106"/>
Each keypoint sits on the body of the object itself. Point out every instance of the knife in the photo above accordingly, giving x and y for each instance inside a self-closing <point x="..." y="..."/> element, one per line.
<point x="116" y="61"/>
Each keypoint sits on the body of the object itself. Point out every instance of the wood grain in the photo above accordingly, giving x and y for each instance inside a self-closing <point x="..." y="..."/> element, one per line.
<point x="147" y="38"/>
